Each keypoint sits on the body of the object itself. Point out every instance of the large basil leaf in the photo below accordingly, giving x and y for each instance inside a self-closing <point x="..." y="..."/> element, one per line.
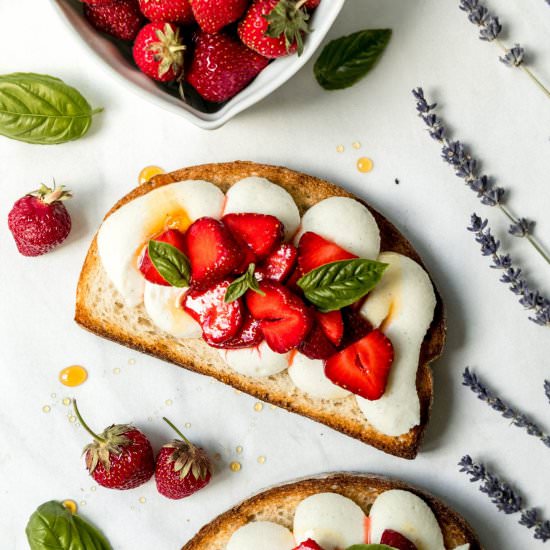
<point x="172" y="264"/>
<point x="53" y="527"/>
<point x="348" y="59"/>
<point x="42" y="109"/>
<point x="340" y="284"/>
<point x="242" y="284"/>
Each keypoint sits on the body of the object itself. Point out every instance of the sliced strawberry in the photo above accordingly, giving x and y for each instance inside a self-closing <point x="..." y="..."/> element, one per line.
<point x="249" y="336"/>
<point x="396" y="540"/>
<point x="332" y="325"/>
<point x="284" y="318"/>
<point x="171" y="236"/>
<point x="308" y="544"/>
<point x="278" y="265"/>
<point x="363" y="368"/>
<point x="314" y="251"/>
<point x="260" y="232"/>
<point x="355" y="325"/>
<point x="212" y="251"/>
<point x="317" y="345"/>
<point x="219" y="321"/>
<point x="292" y="281"/>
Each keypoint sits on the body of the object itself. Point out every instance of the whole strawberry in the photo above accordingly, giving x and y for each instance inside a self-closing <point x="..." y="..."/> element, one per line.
<point x="158" y="51"/>
<point x="214" y="15"/>
<point x="275" y="28"/>
<point x="182" y="469"/>
<point x="121" y="457"/>
<point x="175" y="11"/>
<point x="39" y="221"/>
<point x="119" y="18"/>
<point x="222" y="66"/>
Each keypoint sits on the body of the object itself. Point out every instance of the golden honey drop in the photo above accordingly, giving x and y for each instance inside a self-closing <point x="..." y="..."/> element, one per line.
<point x="46" y="409"/>
<point x="261" y="460"/>
<point x="356" y="145"/>
<point x="239" y="450"/>
<point x="70" y="505"/>
<point x="340" y="148"/>
<point x="258" y="407"/>
<point x="73" y="376"/>
<point x="235" y="466"/>
<point x="149" y="172"/>
<point x="66" y="401"/>
<point x="364" y="165"/>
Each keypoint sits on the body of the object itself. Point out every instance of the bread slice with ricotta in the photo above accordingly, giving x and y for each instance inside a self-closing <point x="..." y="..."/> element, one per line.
<point x="101" y="309"/>
<point x="279" y="504"/>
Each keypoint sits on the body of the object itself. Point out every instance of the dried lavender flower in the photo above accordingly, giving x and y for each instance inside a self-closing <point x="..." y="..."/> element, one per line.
<point x="513" y="57"/>
<point x="470" y="380"/>
<point x="504" y="497"/>
<point x="547" y="382"/>
<point x="468" y="169"/>
<point x="529" y="298"/>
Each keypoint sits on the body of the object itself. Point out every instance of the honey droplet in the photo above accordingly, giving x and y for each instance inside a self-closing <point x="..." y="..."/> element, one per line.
<point x="340" y="148"/>
<point x="82" y="503"/>
<point x="46" y="409"/>
<point x="188" y="424"/>
<point x="364" y="165"/>
<point x="168" y="402"/>
<point x="131" y="361"/>
<point x="73" y="376"/>
<point x="116" y="370"/>
<point x="261" y="459"/>
<point x="356" y="145"/>
<point x="66" y="401"/>
<point x="235" y="466"/>
<point x="272" y="407"/>
<point x="149" y="172"/>
<point x="72" y="419"/>
<point x="258" y="406"/>
<point x="70" y="505"/>
<point x="142" y="500"/>
<point x="93" y="488"/>
<point x="239" y="450"/>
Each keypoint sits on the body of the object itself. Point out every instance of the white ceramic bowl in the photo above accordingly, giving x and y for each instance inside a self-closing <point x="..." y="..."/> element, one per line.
<point x="273" y="76"/>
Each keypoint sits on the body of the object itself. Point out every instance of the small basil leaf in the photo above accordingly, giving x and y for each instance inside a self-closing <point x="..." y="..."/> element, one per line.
<point x="53" y="527"/>
<point x="369" y="547"/>
<point x="346" y="60"/>
<point x="340" y="284"/>
<point x="172" y="265"/>
<point x="240" y="286"/>
<point x="42" y="109"/>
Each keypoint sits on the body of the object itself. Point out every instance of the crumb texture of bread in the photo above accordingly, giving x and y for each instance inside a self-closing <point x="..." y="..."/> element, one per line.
<point x="100" y="309"/>
<point x="279" y="503"/>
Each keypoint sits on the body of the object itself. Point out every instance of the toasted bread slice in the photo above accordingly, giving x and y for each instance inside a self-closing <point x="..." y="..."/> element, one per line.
<point x="278" y="505"/>
<point x="100" y="309"/>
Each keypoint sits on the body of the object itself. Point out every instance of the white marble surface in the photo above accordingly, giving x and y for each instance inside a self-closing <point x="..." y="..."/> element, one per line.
<point x="494" y="108"/>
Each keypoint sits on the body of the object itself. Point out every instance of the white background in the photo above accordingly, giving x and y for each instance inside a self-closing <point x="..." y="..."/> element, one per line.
<point x="496" y="109"/>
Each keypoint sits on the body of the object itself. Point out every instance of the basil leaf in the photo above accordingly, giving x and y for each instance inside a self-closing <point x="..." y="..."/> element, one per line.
<point x="240" y="286"/>
<point x="340" y="284"/>
<point x="172" y="264"/>
<point x="346" y="60"/>
<point x="53" y="527"/>
<point x="42" y="109"/>
<point x="369" y="547"/>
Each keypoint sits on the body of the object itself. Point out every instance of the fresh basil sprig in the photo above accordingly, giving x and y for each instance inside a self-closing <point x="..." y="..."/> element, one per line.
<point x="53" y="527"/>
<point x="340" y="284"/>
<point x="346" y="60"/>
<point x="242" y="284"/>
<point x="42" y="109"/>
<point x="172" y="264"/>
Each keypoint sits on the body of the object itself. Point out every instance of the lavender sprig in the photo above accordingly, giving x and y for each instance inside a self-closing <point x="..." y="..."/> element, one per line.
<point x="468" y="168"/>
<point x="489" y="30"/>
<point x="504" y="497"/>
<point x="529" y="298"/>
<point x="518" y="419"/>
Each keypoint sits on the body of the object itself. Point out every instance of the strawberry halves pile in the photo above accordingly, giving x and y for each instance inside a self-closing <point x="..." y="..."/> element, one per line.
<point x="216" y="46"/>
<point x="244" y="288"/>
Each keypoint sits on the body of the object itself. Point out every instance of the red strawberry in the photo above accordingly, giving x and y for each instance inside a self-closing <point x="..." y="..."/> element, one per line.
<point x="182" y="469"/>
<point x="220" y="321"/>
<point x="120" y="18"/>
<point x="120" y="457"/>
<point x="249" y="336"/>
<point x="172" y="237"/>
<point x="158" y="51"/>
<point x="363" y="368"/>
<point x="316" y="344"/>
<point x="308" y="544"/>
<point x="285" y="319"/>
<point x="292" y="281"/>
<point x="212" y="251"/>
<point x="314" y="251"/>
<point x="213" y="15"/>
<point x="396" y="540"/>
<point x="332" y="325"/>
<point x="278" y="265"/>
<point x="355" y="325"/>
<point x="39" y="221"/>
<point x="175" y="11"/>
<point x="311" y="4"/>
<point x="260" y="232"/>
<point x="274" y="28"/>
<point x="222" y="66"/>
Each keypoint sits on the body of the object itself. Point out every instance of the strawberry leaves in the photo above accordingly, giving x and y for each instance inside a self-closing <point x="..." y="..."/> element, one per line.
<point x="288" y="20"/>
<point x="172" y="265"/>
<point x="339" y="284"/>
<point x="240" y="286"/>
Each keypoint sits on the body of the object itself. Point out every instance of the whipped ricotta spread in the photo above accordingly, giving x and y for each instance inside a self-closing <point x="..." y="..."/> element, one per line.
<point x="401" y="305"/>
<point x="261" y="534"/>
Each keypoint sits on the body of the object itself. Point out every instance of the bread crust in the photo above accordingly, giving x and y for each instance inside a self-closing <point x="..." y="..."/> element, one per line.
<point x="278" y="504"/>
<point x="196" y="356"/>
